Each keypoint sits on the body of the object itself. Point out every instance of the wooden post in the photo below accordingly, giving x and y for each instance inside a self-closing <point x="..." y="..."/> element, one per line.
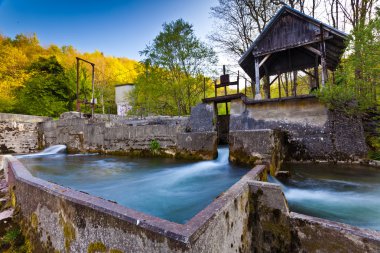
<point x="216" y="94"/>
<point x="238" y="82"/>
<point x="267" y="88"/>
<point x="323" y="57"/>
<point x="266" y="85"/>
<point x="323" y="73"/>
<point x="279" y="86"/>
<point x="295" y="83"/>
<point x="257" y="79"/>
<point x="224" y="69"/>
<point x="245" y="87"/>
<point x="316" y="72"/>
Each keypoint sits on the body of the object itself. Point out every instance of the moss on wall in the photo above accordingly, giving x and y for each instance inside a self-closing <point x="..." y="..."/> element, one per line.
<point x="96" y="247"/>
<point x="68" y="232"/>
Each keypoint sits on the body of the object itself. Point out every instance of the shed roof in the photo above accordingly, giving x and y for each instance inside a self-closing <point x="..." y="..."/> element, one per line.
<point x="285" y="36"/>
<point x="124" y="84"/>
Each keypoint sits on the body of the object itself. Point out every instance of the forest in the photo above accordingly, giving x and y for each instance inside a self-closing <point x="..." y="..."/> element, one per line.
<point x="42" y="81"/>
<point x="178" y="69"/>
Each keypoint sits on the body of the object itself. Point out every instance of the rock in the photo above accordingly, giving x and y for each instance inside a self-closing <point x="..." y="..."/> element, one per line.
<point x="283" y="174"/>
<point x="5" y="220"/>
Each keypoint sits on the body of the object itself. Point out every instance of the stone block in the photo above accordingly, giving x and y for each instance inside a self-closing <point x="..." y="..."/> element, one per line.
<point x="197" y="145"/>
<point x="202" y="118"/>
<point x="256" y="147"/>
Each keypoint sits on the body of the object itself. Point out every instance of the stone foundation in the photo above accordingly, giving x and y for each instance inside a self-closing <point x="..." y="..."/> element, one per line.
<point x="312" y="131"/>
<point x="18" y="133"/>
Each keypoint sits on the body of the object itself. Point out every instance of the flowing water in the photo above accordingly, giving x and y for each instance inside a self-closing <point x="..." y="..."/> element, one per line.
<point x="52" y="150"/>
<point x="343" y="193"/>
<point x="171" y="189"/>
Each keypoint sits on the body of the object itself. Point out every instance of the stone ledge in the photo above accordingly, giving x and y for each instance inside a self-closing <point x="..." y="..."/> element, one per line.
<point x="316" y="234"/>
<point x="21" y="118"/>
<point x="50" y="196"/>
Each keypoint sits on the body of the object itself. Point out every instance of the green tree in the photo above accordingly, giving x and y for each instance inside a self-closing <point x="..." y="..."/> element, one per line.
<point x="356" y="80"/>
<point x="13" y="73"/>
<point x="46" y="92"/>
<point x="174" y="68"/>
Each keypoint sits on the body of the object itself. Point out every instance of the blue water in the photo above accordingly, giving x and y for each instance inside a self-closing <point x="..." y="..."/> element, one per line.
<point x="171" y="189"/>
<point x="343" y="193"/>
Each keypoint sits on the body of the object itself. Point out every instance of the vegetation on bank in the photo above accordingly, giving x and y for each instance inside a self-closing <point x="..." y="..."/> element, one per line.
<point x="354" y="90"/>
<point x="42" y="80"/>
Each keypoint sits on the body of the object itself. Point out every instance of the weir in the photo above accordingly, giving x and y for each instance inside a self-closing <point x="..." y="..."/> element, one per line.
<point x="175" y="190"/>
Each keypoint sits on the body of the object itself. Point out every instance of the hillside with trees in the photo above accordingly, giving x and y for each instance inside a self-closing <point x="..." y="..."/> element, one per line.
<point x="42" y="80"/>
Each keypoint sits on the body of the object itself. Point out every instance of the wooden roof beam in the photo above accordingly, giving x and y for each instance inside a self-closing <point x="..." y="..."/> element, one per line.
<point x="264" y="60"/>
<point x="313" y="50"/>
<point x="299" y="44"/>
<point x="273" y="80"/>
<point x="307" y="73"/>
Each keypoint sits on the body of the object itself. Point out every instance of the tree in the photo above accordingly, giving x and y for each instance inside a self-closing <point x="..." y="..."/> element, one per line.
<point x="18" y="54"/>
<point x="12" y="74"/>
<point x="46" y="92"/>
<point x="182" y="59"/>
<point x="240" y="21"/>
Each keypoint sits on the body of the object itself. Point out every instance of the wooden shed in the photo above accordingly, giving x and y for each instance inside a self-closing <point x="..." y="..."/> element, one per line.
<point x="293" y="41"/>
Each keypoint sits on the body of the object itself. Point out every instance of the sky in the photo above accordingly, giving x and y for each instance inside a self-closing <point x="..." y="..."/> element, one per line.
<point x="118" y="28"/>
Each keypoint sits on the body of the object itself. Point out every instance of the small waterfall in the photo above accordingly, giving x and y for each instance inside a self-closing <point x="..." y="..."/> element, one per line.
<point x="223" y="153"/>
<point x="52" y="150"/>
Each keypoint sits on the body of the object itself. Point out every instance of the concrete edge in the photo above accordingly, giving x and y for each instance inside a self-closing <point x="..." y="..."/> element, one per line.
<point x="23" y="118"/>
<point x="182" y="233"/>
<point x="338" y="226"/>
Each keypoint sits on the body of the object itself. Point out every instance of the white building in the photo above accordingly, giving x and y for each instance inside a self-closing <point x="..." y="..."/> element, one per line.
<point x="121" y="98"/>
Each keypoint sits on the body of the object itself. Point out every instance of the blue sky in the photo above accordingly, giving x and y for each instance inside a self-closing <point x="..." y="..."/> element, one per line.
<point x="115" y="27"/>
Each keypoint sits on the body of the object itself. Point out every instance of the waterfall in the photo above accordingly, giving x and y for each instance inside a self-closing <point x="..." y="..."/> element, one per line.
<point x="52" y="150"/>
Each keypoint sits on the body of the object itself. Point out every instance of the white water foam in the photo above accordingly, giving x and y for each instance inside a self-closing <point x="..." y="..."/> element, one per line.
<point x="52" y="150"/>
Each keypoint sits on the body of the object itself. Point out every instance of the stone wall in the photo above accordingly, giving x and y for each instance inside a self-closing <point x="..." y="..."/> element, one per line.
<point x="129" y="137"/>
<point x="18" y="133"/>
<point x="275" y="229"/>
<point x="313" y="132"/>
<point x="201" y="118"/>
<point x="57" y="218"/>
<point x="257" y="147"/>
<point x="251" y="216"/>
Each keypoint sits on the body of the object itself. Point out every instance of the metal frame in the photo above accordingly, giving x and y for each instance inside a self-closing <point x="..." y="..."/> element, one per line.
<point x="79" y="102"/>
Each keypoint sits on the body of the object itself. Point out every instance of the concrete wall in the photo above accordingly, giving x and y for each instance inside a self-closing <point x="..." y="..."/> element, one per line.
<point x="313" y="132"/>
<point x="107" y="134"/>
<point x="251" y="216"/>
<point x="202" y="118"/>
<point x="58" y="218"/>
<point x="257" y="147"/>
<point x="18" y="133"/>
<point x="129" y="137"/>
